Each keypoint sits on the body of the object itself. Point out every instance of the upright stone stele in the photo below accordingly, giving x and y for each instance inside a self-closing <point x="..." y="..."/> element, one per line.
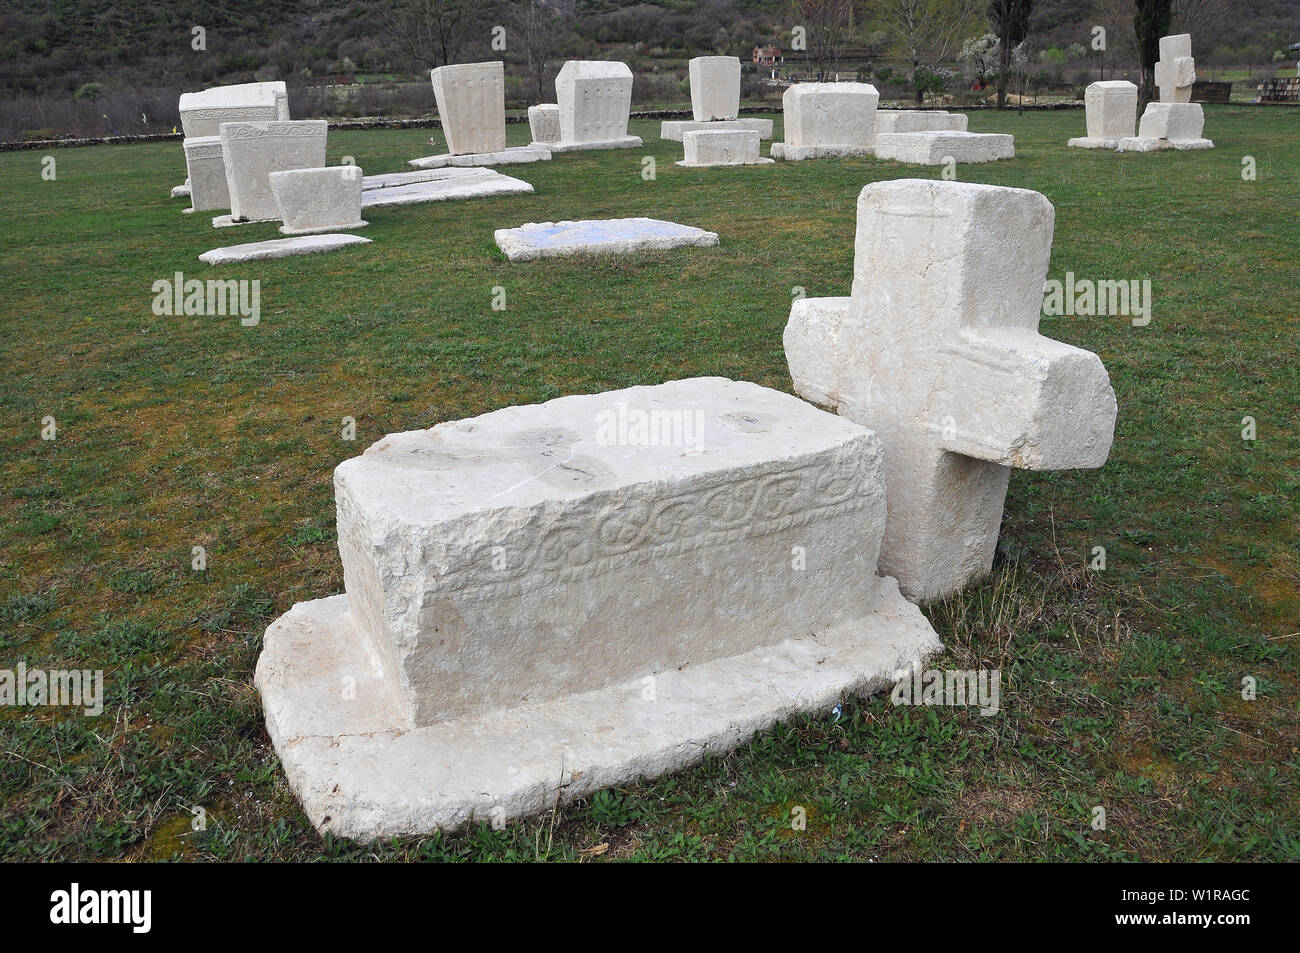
<point x="595" y="100"/>
<point x="471" y="100"/>
<point x="544" y="122"/>
<point x="319" y="200"/>
<point x="828" y="119"/>
<point x="548" y="600"/>
<point x="937" y="351"/>
<point x="715" y="101"/>
<point x="251" y="151"/>
<point x="209" y="191"/>
<point x="715" y="87"/>
<point x="1111" y="114"/>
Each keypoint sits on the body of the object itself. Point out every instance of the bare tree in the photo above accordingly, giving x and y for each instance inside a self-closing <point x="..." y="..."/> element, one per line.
<point x="538" y="32"/>
<point x="927" y="28"/>
<point x="1010" y="25"/>
<point x="1152" y="19"/>
<point x="828" y="28"/>
<point x="429" y="32"/>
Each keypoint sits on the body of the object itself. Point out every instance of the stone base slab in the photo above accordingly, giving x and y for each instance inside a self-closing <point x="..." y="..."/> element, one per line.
<point x="935" y="148"/>
<point x="1084" y="142"/>
<point x="324" y="229"/>
<point x="513" y="156"/>
<point x="672" y="129"/>
<point x="789" y="153"/>
<point x="626" y="142"/>
<point x="686" y="163"/>
<point x="360" y="772"/>
<point x="604" y="236"/>
<point x="280" y="248"/>
<point x="1148" y="144"/>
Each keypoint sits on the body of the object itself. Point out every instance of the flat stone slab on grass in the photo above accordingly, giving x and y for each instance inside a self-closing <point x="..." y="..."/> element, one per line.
<point x="388" y="180"/>
<point x="935" y="148"/>
<point x="515" y="155"/>
<point x="280" y="248"/>
<point x="619" y="236"/>
<point x="452" y="184"/>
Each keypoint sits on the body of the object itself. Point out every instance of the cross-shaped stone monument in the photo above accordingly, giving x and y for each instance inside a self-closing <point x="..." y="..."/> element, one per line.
<point x="938" y="352"/>
<point x="1176" y="70"/>
<point x="1175" y="122"/>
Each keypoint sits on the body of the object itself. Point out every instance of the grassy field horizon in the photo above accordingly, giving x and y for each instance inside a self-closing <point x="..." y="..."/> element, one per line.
<point x="1121" y="688"/>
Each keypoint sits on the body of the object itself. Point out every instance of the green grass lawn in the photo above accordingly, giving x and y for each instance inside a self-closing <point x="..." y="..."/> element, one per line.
<point x="1120" y="688"/>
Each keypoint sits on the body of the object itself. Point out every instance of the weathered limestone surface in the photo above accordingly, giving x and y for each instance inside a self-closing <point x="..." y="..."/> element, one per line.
<point x="318" y="200"/>
<point x="617" y="236"/>
<point x="539" y="606"/>
<point x="449" y="185"/>
<point x="919" y="120"/>
<point x="1180" y="123"/>
<point x="280" y="248"/>
<point x="202" y="113"/>
<point x="715" y="87"/>
<point x="672" y="129"/>
<point x="721" y="147"/>
<point x="938" y="352"/>
<point x="182" y="190"/>
<point x="936" y="148"/>
<point x="827" y="119"/>
<point x="1111" y="111"/>
<point x="207" y="173"/>
<point x="595" y="99"/>
<point x="251" y="151"/>
<point x="544" y="122"/>
<point x="471" y="101"/>
<point x="1169" y="126"/>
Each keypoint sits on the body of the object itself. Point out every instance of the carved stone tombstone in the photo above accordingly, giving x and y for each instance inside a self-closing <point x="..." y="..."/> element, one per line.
<point x="471" y="101"/>
<point x="938" y="351"/>
<point x="547" y="600"/>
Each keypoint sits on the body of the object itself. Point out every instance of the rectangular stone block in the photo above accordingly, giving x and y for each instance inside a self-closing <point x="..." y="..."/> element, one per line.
<point x="936" y="148"/>
<point x="830" y="114"/>
<point x="919" y="120"/>
<point x="318" y="200"/>
<point x="544" y="122"/>
<point x="1177" y="122"/>
<point x="1111" y="109"/>
<point x="715" y="87"/>
<point x="251" y="151"/>
<point x="207" y="174"/>
<point x="595" y="98"/>
<point x="202" y="113"/>
<point x="471" y="100"/>
<point x="552" y="550"/>
<point x="721" y="147"/>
